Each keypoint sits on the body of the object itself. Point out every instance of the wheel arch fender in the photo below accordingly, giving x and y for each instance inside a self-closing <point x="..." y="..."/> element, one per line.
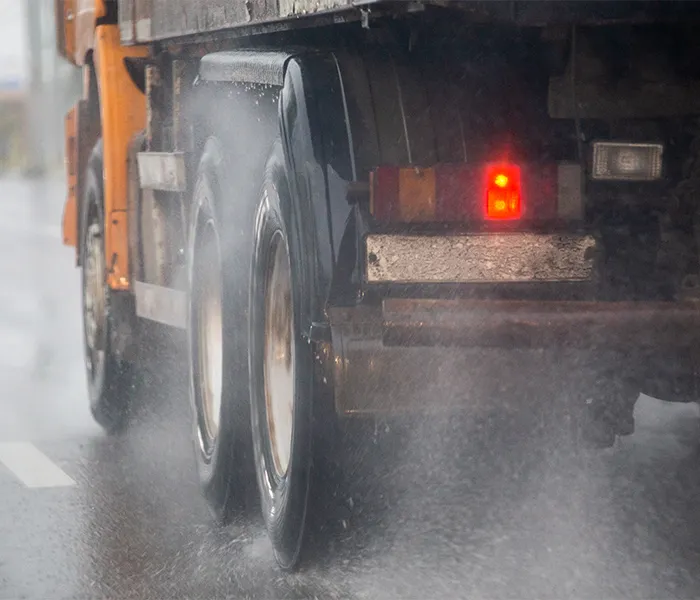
<point x="309" y="99"/>
<point x="311" y="125"/>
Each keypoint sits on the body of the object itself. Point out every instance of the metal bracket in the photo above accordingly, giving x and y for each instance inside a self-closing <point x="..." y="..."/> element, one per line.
<point x="161" y="304"/>
<point x="163" y="171"/>
<point x="364" y="12"/>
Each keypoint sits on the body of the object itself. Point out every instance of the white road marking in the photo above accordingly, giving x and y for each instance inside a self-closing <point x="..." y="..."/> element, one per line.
<point x="32" y="467"/>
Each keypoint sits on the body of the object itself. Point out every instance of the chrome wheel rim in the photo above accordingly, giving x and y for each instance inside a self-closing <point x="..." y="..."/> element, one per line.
<point x="279" y="355"/>
<point x="210" y="332"/>
<point x="94" y="298"/>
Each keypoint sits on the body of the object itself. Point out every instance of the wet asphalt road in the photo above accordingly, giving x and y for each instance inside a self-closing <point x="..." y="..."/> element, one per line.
<point x="438" y="510"/>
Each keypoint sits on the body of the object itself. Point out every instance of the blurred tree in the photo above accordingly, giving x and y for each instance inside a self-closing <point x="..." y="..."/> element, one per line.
<point x="37" y="87"/>
<point x="37" y="101"/>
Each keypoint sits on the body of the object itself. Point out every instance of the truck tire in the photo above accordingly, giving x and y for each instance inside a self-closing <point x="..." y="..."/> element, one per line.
<point x="282" y="370"/>
<point x="110" y="379"/>
<point x="217" y="340"/>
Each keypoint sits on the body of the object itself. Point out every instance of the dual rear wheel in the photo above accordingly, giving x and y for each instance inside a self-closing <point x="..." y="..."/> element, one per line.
<point x="251" y="372"/>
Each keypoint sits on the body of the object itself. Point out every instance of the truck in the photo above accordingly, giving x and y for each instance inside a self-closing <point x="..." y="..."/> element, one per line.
<point x="355" y="209"/>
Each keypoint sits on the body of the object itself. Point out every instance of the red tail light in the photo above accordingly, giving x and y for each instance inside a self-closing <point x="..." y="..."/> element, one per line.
<point x="503" y="197"/>
<point x="464" y="193"/>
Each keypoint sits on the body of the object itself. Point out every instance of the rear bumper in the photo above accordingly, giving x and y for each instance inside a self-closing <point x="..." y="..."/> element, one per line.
<point x="532" y="324"/>
<point x="419" y="354"/>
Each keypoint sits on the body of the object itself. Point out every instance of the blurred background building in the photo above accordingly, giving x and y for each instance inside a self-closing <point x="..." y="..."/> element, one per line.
<point x="36" y="88"/>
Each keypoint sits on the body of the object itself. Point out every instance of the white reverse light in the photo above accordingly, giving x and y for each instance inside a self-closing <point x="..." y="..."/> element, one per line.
<point x="626" y="162"/>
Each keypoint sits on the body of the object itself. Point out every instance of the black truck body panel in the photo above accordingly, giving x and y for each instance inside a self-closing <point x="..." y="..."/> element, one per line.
<point x="316" y="147"/>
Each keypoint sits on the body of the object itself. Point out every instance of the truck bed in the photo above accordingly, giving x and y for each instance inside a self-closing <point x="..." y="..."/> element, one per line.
<point x="143" y="21"/>
<point x="151" y="20"/>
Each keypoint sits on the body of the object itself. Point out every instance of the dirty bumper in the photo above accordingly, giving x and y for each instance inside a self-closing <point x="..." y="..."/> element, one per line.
<point x="393" y="356"/>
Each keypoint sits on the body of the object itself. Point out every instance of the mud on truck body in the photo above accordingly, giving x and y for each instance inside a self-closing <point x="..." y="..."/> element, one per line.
<point x="357" y="209"/>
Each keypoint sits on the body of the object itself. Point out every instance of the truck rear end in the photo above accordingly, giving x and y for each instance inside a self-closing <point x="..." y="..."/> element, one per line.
<point x="354" y="211"/>
<point x="509" y="212"/>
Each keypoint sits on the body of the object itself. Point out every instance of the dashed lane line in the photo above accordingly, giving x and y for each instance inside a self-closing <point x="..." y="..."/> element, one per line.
<point x="31" y="466"/>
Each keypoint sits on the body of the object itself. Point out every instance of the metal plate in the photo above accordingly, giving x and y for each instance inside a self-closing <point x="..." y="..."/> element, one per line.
<point x="482" y="258"/>
<point x="161" y="304"/>
<point x="162" y="171"/>
<point x="148" y="20"/>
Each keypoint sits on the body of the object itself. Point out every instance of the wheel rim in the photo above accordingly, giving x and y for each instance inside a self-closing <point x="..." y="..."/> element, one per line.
<point x="279" y="355"/>
<point x="210" y="332"/>
<point x="94" y="299"/>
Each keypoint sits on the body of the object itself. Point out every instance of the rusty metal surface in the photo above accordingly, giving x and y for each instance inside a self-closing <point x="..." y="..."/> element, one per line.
<point x="161" y="19"/>
<point x="302" y="7"/>
<point x="391" y="358"/>
<point x="541" y="324"/>
<point x="512" y="257"/>
<point x="400" y="380"/>
<point x="149" y="20"/>
<point x="374" y="380"/>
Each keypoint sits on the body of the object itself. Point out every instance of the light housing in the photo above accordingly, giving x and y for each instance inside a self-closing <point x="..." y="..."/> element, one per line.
<point x="622" y="161"/>
<point x="461" y="192"/>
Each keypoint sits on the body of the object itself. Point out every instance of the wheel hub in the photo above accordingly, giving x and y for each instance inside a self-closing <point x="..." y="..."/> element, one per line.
<point x="94" y="297"/>
<point x="279" y="355"/>
<point x="210" y="332"/>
